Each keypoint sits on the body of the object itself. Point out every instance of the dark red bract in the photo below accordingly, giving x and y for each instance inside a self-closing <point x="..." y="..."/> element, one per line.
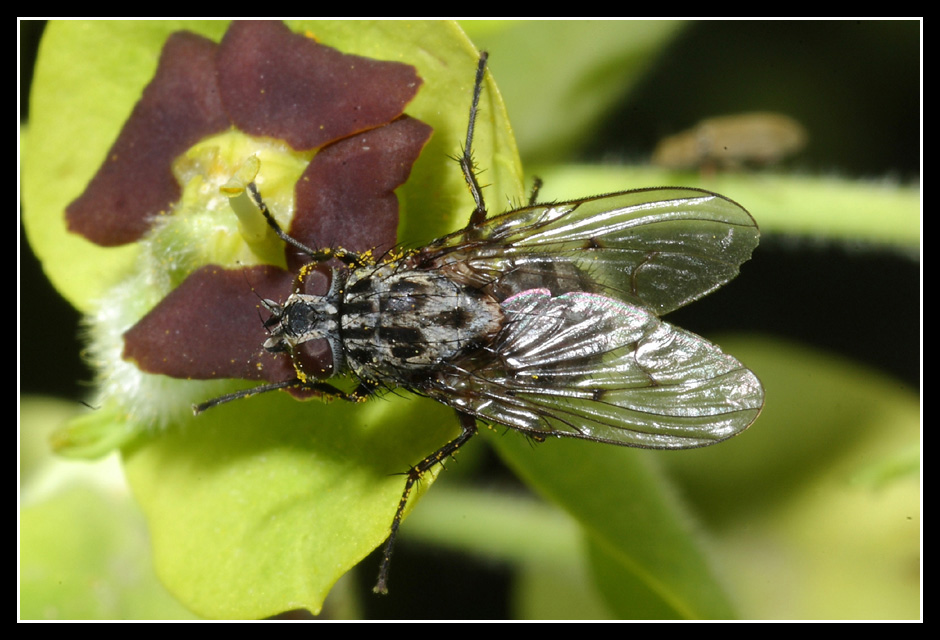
<point x="267" y="81"/>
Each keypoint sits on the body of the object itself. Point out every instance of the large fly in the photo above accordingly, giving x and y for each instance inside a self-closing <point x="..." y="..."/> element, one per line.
<point x="545" y="319"/>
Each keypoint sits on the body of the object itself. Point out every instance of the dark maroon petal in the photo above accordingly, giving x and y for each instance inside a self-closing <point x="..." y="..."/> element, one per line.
<point x="284" y="85"/>
<point x="178" y="108"/>
<point x="211" y="326"/>
<point x="346" y="196"/>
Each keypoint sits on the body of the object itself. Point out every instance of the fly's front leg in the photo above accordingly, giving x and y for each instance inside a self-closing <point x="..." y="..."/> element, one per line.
<point x="349" y="258"/>
<point x="322" y="389"/>
<point x="468" y="428"/>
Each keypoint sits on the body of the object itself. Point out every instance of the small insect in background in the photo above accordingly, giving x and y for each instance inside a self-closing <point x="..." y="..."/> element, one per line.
<point x="545" y="319"/>
<point x="732" y="142"/>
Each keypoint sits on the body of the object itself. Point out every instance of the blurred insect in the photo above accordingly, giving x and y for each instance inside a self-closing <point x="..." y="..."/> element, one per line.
<point x="732" y="142"/>
<point x="544" y="319"/>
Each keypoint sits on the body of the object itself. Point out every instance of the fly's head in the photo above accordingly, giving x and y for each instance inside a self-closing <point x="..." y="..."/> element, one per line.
<point x="301" y="318"/>
<point x="307" y="324"/>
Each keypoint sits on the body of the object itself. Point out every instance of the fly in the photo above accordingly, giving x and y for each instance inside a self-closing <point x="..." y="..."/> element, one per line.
<point x="545" y="319"/>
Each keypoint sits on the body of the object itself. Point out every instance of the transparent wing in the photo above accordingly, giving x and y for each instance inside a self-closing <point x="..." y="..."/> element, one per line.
<point x="592" y="367"/>
<point x="657" y="248"/>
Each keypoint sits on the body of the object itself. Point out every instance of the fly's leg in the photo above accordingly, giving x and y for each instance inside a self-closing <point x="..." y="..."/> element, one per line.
<point x="467" y="164"/>
<point x="466" y="158"/>
<point x="349" y="258"/>
<point x="322" y="389"/>
<point x="534" y="195"/>
<point x="468" y="428"/>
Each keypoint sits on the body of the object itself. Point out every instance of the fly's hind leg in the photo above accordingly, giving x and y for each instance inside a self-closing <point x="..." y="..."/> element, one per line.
<point x="468" y="428"/>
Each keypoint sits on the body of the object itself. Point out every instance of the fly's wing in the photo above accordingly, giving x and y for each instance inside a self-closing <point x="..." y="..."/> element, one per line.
<point x="656" y="248"/>
<point x="588" y="366"/>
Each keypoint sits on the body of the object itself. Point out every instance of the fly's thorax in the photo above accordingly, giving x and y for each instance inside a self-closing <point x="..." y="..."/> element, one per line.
<point x="399" y="324"/>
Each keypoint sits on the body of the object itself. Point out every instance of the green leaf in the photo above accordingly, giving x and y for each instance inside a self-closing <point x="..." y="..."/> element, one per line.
<point x="84" y="553"/>
<point x="262" y="505"/>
